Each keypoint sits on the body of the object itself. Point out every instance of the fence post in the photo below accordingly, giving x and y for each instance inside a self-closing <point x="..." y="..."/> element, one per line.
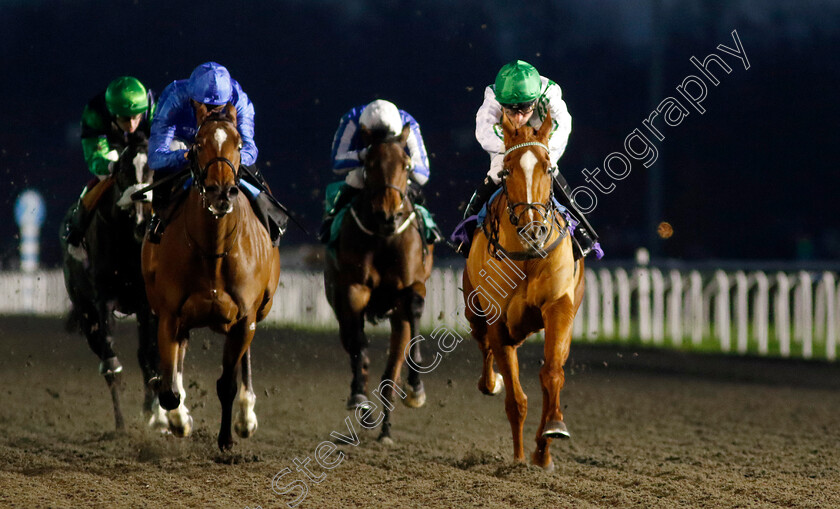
<point x="782" y="311"/>
<point x="722" y="321"/>
<point x="658" y="312"/>
<point x="643" y="287"/>
<point x="593" y="304"/>
<point x="761" y="311"/>
<point x="741" y="314"/>
<point x="623" y="283"/>
<point x="804" y="324"/>
<point x="695" y="307"/>
<point x="675" y="314"/>
<point x="607" y="303"/>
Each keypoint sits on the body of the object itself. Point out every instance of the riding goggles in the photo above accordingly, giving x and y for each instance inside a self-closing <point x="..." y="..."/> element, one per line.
<point x="520" y="108"/>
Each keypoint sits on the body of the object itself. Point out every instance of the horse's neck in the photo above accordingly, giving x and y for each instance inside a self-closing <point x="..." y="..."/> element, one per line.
<point x="210" y="233"/>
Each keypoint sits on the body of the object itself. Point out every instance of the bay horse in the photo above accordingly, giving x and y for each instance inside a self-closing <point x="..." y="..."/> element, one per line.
<point x="525" y="241"/>
<point x="109" y="279"/>
<point x="214" y="267"/>
<point x="379" y="268"/>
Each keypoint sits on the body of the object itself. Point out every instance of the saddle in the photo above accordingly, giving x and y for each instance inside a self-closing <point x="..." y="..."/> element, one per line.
<point x="431" y="231"/>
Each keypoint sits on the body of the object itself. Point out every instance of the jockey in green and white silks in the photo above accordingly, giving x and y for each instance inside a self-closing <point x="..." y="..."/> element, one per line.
<point x="525" y="97"/>
<point x="110" y="121"/>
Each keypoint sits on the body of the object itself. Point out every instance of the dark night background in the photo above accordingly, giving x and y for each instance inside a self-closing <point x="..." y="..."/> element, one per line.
<point x="752" y="178"/>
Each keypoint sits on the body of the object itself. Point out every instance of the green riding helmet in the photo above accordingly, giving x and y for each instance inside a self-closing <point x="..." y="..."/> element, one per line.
<point x="517" y="82"/>
<point x="126" y="97"/>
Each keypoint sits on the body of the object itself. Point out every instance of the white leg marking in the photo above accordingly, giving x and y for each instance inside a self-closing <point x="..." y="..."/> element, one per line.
<point x="180" y="420"/>
<point x="220" y="136"/>
<point x="245" y="423"/>
<point x="157" y="419"/>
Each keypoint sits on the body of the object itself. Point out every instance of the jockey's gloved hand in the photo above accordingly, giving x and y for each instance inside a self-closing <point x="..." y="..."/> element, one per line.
<point x="362" y="154"/>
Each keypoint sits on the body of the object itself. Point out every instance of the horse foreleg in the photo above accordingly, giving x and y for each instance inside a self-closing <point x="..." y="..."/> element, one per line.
<point x="558" y="319"/>
<point x="236" y="344"/>
<point x="400" y="335"/>
<point x="147" y="356"/>
<point x="416" y="392"/>
<point x="245" y="423"/>
<point x="349" y="311"/>
<point x="490" y="382"/>
<point x="172" y="346"/>
<point x="516" y="402"/>
<point x="98" y="332"/>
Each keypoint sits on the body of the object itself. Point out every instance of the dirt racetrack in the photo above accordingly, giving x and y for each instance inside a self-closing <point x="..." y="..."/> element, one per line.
<point x="648" y="430"/>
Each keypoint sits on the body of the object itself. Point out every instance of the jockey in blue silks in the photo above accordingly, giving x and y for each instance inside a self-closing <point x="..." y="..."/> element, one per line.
<point x="349" y="151"/>
<point x="174" y="129"/>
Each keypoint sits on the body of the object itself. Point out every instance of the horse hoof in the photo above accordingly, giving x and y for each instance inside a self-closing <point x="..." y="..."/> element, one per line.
<point x="156" y="418"/>
<point x="358" y="401"/>
<point x="555" y="429"/>
<point x="387" y="441"/>
<point x="245" y="428"/>
<point x="225" y="444"/>
<point x="548" y="468"/>
<point x="498" y="385"/>
<point x="180" y="426"/>
<point x="110" y="366"/>
<point x="415" y="398"/>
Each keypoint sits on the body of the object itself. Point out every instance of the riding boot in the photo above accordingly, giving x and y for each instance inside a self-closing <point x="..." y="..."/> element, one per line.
<point x="584" y="235"/>
<point x="345" y="196"/>
<point x="270" y="215"/>
<point x="258" y="179"/>
<point x="483" y="193"/>
<point x="432" y="232"/>
<point x="415" y="193"/>
<point x="162" y="205"/>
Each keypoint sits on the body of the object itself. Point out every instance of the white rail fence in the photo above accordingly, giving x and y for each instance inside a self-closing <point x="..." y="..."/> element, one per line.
<point x="782" y="313"/>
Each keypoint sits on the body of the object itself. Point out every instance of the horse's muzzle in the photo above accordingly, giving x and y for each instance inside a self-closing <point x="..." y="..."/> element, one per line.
<point x="221" y="202"/>
<point x="534" y="235"/>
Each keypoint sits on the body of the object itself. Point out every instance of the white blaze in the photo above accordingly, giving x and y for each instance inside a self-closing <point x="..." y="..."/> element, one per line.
<point x="527" y="162"/>
<point x="220" y="137"/>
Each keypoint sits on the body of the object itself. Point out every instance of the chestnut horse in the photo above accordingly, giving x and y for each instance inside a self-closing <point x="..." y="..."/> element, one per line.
<point x="524" y="241"/>
<point x="380" y="269"/>
<point x="214" y="267"/>
<point x="108" y="279"/>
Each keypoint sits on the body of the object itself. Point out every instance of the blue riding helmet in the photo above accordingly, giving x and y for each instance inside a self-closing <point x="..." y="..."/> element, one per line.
<point x="210" y="84"/>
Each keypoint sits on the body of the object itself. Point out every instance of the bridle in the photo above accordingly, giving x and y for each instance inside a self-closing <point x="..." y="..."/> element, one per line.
<point x="547" y="213"/>
<point x="199" y="175"/>
<point x="374" y="191"/>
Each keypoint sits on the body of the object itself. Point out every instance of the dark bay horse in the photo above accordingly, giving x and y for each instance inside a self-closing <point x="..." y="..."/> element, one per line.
<point x="380" y="269"/>
<point x="538" y="285"/>
<point x="214" y="267"/>
<point x="108" y="279"/>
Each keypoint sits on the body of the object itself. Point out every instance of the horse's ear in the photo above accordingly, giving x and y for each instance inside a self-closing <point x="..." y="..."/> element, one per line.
<point x="230" y="112"/>
<point x="507" y="127"/>
<point x="406" y="130"/>
<point x="200" y="111"/>
<point x="545" y="129"/>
